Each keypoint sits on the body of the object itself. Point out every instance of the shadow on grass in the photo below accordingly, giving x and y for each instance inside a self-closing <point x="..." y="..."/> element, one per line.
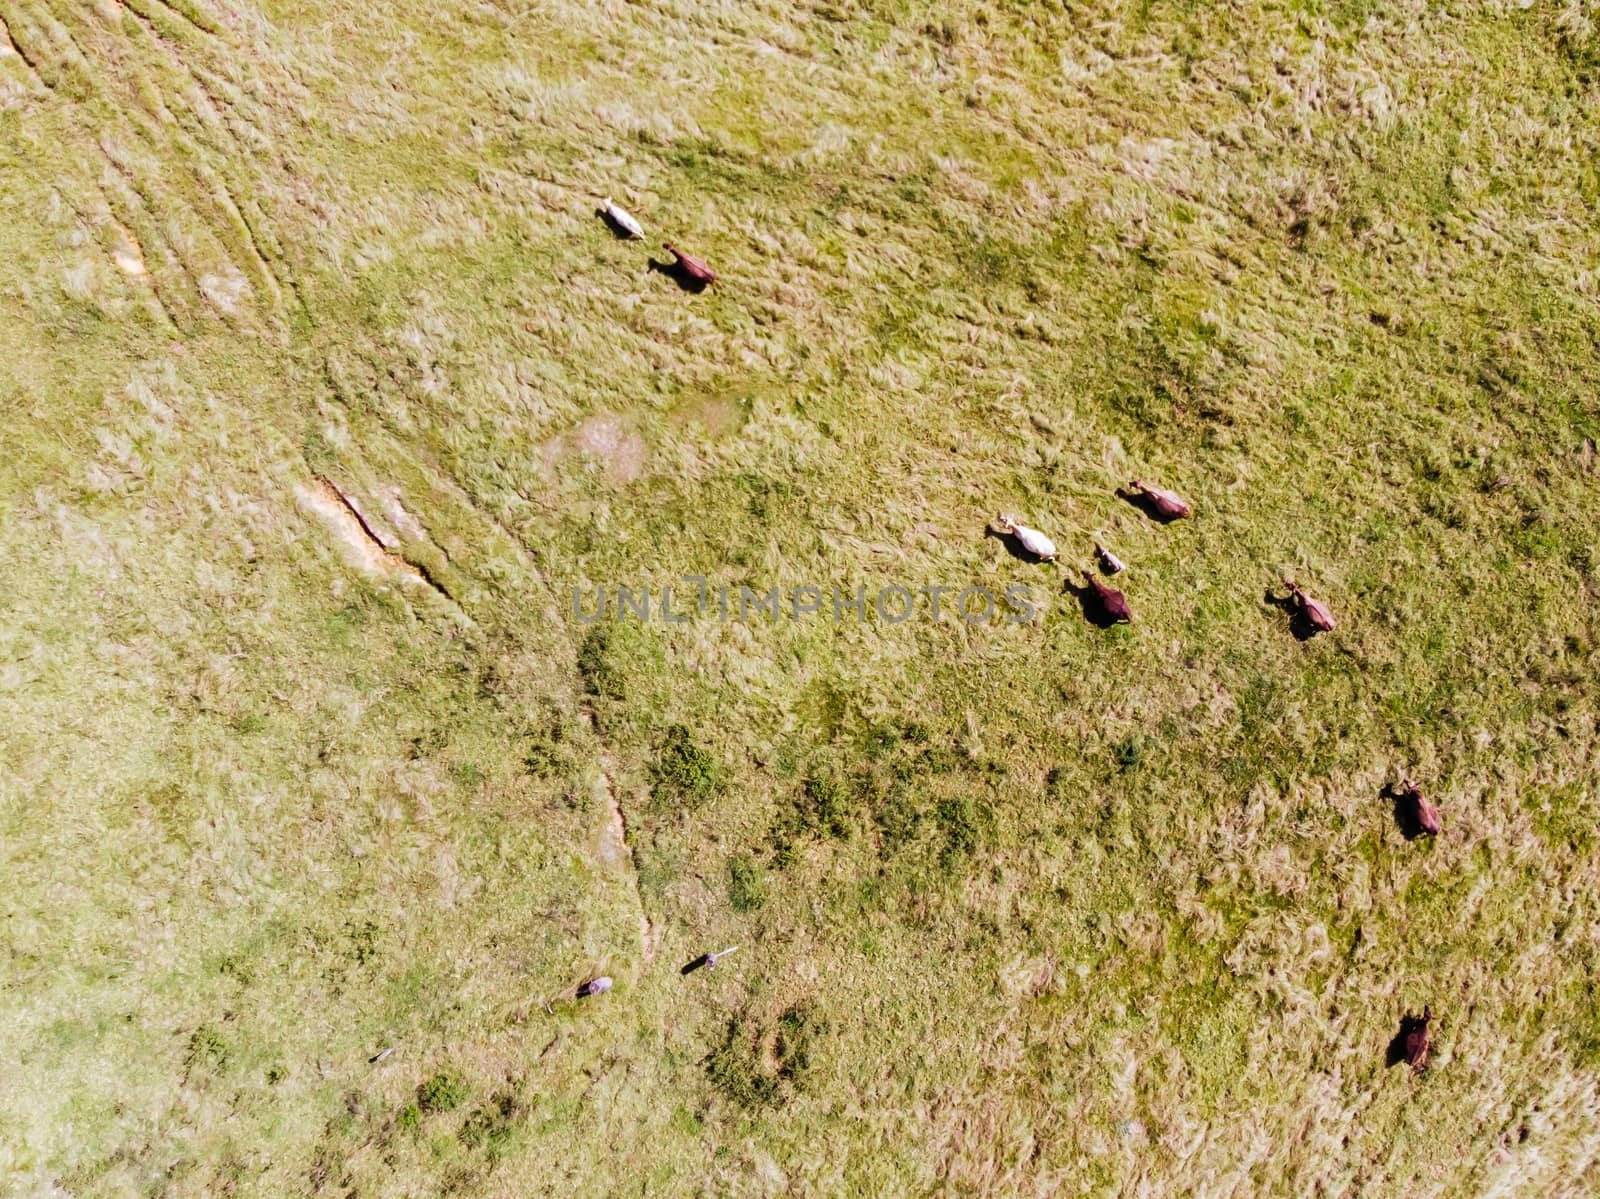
<point x="679" y="275"/>
<point x="1299" y="623"/>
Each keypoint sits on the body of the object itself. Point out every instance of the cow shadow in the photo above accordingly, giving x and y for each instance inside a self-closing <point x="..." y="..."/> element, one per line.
<point x="1407" y="818"/>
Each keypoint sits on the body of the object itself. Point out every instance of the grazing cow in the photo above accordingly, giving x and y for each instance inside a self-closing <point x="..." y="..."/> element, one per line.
<point x="1113" y="564"/>
<point x="691" y="268"/>
<point x="620" y="219"/>
<point x="1035" y="542"/>
<point x="1318" y="615"/>
<point x="1167" y="505"/>
<point x="1423" y="813"/>
<point x="1417" y="1040"/>
<point x="1109" y="604"/>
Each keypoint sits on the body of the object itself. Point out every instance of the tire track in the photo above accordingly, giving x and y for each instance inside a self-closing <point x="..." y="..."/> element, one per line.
<point x="211" y="132"/>
<point x="133" y="210"/>
<point x="148" y="91"/>
<point x="180" y="13"/>
<point x="132" y="243"/>
<point x="24" y="56"/>
<point x="74" y="60"/>
<point x="39" y="49"/>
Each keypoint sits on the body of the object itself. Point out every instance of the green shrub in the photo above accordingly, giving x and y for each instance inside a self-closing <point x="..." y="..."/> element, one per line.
<point x="1131" y="752"/>
<point x="207" y="1050"/>
<point x="442" y="1092"/>
<point x="744" y="1070"/>
<point x="798" y="1029"/>
<point x="747" y="890"/>
<point x="467" y="774"/>
<point x="881" y="739"/>
<point x="959" y="819"/>
<point x="684" y="771"/>
<point x="737" y="1070"/>
<point x="595" y="664"/>
<point x="829" y="806"/>
<point x="492" y="1128"/>
<point x="784" y="852"/>
<point x="549" y="753"/>
<point x="363" y="941"/>
<point x="898" y="821"/>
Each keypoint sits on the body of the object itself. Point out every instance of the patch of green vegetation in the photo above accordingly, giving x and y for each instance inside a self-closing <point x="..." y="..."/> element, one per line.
<point x="800" y="1027"/>
<point x="442" y="1093"/>
<point x="601" y="673"/>
<point x="882" y="739"/>
<point x="467" y="774"/>
<point x="828" y="806"/>
<point x="736" y="1069"/>
<point x="1565" y="817"/>
<point x="1130" y="753"/>
<point x="363" y="940"/>
<point x="551" y="753"/>
<point x="765" y="497"/>
<point x="898" y="819"/>
<point x="207" y="1051"/>
<point x="237" y="968"/>
<point x="957" y="817"/>
<point x="684" y="772"/>
<point x="759" y="1067"/>
<point x="747" y="887"/>
<point x="492" y="1129"/>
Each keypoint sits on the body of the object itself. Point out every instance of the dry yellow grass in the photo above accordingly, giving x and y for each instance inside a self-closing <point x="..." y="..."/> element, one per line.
<point x="325" y="387"/>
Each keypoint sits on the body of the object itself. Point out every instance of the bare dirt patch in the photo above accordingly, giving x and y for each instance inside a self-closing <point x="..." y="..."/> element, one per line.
<point x="410" y="527"/>
<point x="609" y="441"/>
<point x="615" y="851"/>
<point x="362" y="546"/>
<point x="126" y="254"/>
<point x="715" y="414"/>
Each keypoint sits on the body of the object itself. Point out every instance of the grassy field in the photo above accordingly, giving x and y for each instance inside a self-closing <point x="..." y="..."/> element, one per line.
<point x="325" y="387"/>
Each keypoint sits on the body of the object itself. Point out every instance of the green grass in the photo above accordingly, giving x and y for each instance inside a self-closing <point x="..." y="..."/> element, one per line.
<point x="1021" y="907"/>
